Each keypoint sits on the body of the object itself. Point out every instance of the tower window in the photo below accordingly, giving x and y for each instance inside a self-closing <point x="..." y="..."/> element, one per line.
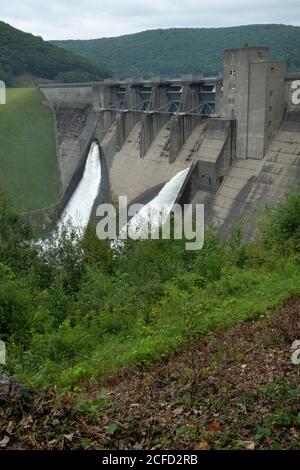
<point x="270" y="109"/>
<point x="232" y="73"/>
<point x="271" y="93"/>
<point x="231" y="86"/>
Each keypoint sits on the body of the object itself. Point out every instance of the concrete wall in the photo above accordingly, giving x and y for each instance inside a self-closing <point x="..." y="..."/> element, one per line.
<point x="177" y="137"/>
<point x="236" y="92"/>
<point x="252" y="184"/>
<point x="253" y="94"/>
<point x="265" y="106"/>
<point x="126" y="121"/>
<point x="216" y="154"/>
<point x="75" y="123"/>
<point x="219" y="96"/>
<point x="275" y="100"/>
<point x="68" y="94"/>
<point x="74" y="128"/>
<point x="183" y="124"/>
<point x="104" y="97"/>
<point x="153" y="122"/>
<point x="190" y="103"/>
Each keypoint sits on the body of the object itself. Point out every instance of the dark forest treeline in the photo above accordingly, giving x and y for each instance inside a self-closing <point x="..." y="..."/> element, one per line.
<point x="179" y="51"/>
<point x="23" y="53"/>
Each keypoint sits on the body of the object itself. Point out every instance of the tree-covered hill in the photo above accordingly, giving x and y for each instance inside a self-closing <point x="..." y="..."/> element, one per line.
<point x="23" y="53"/>
<point x="178" y="51"/>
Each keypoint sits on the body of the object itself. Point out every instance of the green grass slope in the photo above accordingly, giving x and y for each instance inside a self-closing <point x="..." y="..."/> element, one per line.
<point x="184" y="50"/>
<point x="90" y="311"/>
<point x="28" y="165"/>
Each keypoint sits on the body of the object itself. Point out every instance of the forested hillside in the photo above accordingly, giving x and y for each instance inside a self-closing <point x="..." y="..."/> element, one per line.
<point x="23" y="53"/>
<point x="178" y="51"/>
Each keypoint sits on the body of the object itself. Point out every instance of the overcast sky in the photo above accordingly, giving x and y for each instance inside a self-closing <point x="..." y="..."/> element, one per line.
<point x="83" y="19"/>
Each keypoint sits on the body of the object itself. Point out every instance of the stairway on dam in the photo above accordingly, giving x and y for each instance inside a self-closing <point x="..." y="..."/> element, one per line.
<point x="251" y="184"/>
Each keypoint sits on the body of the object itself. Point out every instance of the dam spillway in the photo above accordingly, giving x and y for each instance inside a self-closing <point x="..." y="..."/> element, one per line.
<point x="155" y="213"/>
<point x="240" y="130"/>
<point x="78" y="210"/>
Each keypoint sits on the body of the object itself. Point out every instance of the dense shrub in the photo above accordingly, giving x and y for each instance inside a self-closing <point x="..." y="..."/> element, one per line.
<point x="16" y="308"/>
<point x="282" y="223"/>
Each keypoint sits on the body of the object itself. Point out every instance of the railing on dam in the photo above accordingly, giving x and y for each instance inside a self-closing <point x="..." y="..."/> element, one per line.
<point x="159" y="97"/>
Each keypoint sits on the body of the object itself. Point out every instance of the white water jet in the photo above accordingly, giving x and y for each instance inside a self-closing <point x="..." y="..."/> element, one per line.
<point x="156" y="212"/>
<point x="78" y="210"/>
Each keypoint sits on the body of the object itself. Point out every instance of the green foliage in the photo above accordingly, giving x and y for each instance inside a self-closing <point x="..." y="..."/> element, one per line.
<point x="281" y="225"/>
<point x="64" y="259"/>
<point x="174" y="52"/>
<point x="16" y="249"/>
<point x="210" y="260"/>
<point x="94" y="406"/>
<point x="80" y="309"/>
<point x="96" y="251"/>
<point x="76" y="76"/>
<point x="293" y="61"/>
<point x="24" y="53"/>
<point x="15" y="308"/>
<point x="284" y="417"/>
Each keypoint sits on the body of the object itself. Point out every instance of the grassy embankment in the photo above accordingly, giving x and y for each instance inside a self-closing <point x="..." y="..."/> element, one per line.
<point x="83" y="311"/>
<point x="80" y="312"/>
<point x="28" y="164"/>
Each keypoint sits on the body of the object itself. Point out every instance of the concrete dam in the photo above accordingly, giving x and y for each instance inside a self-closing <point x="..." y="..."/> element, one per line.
<point x="238" y="134"/>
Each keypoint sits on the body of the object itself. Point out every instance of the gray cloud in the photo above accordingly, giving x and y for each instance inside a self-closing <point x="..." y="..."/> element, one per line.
<point x="82" y="19"/>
